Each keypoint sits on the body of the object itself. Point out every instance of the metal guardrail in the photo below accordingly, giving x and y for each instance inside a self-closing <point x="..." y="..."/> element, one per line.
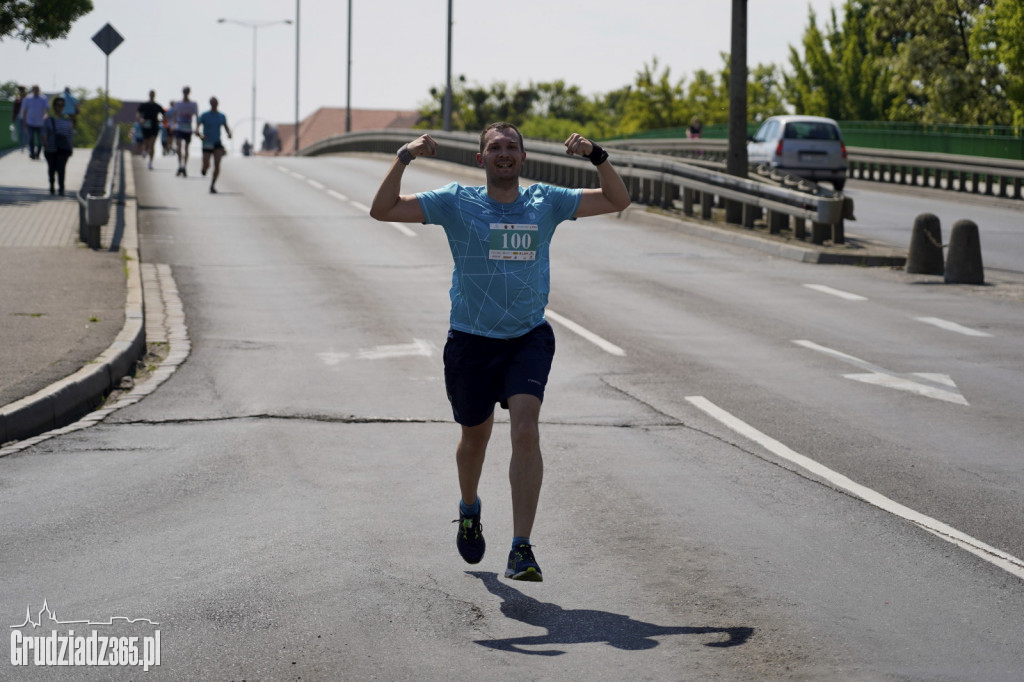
<point x="98" y="187"/>
<point x="652" y="179"/>
<point x="954" y="172"/>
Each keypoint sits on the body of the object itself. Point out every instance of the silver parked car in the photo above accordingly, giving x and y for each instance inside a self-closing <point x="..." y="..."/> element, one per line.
<point x="810" y="147"/>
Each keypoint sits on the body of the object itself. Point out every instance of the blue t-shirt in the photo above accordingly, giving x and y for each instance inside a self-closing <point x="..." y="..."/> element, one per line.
<point x="211" y="122"/>
<point x="502" y="271"/>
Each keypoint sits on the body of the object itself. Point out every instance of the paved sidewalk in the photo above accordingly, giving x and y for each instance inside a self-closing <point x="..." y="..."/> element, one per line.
<point x="62" y="305"/>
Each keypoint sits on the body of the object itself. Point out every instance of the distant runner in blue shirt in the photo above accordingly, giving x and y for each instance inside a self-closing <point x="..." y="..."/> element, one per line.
<point x="499" y="347"/>
<point x="210" y="124"/>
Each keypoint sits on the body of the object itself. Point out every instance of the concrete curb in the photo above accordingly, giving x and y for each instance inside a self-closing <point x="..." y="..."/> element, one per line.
<point x="773" y="247"/>
<point x="70" y="398"/>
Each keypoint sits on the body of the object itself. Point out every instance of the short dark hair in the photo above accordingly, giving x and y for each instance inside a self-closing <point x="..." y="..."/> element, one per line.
<point x="501" y="125"/>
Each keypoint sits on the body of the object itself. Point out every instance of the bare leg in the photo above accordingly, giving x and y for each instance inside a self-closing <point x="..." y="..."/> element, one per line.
<point x="526" y="469"/>
<point x="469" y="456"/>
<point x="218" y="154"/>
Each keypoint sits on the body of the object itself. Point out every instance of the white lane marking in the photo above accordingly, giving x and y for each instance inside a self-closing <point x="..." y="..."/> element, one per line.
<point x="314" y="183"/>
<point x="938" y="386"/>
<point x="337" y="195"/>
<point x="997" y="557"/>
<point x="331" y="358"/>
<point x="951" y="326"/>
<point x="604" y="345"/>
<point x="836" y="292"/>
<point x="418" y="347"/>
<point x="297" y="176"/>
<point x="361" y="207"/>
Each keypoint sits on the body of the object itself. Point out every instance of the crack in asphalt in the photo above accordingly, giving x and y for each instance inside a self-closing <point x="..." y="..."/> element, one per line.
<point x="356" y="419"/>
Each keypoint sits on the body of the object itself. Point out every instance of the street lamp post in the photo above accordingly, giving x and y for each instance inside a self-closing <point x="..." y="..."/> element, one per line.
<point x="254" y="25"/>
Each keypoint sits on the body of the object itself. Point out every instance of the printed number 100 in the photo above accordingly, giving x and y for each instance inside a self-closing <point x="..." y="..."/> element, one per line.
<point x="517" y="240"/>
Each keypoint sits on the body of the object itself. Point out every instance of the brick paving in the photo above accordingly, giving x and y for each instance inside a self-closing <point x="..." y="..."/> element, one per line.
<point x="61" y="303"/>
<point x="30" y="216"/>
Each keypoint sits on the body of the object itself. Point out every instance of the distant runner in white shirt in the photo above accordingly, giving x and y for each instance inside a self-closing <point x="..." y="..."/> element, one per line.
<point x="184" y="112"/>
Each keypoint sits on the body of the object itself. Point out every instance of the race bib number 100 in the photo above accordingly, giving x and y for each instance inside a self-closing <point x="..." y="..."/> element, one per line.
<point x="513" y="242"/>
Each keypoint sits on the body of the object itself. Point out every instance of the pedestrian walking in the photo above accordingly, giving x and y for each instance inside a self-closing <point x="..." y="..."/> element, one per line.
<point x="499" y="348"/>
<point x="150" y="116"/>
<point x="33" y="113"/>
<point x="70" y="105"/>
<point x="184" y="112"/>
<point x="695" y="129"/>
<point x="58" y="143"/>
<point x="211" y="122"/>
<point x="166" y="133"/>
<point x="16" y="120"/>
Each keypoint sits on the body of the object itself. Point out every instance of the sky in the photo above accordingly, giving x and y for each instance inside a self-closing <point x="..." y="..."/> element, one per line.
<point x="399" y="48"/>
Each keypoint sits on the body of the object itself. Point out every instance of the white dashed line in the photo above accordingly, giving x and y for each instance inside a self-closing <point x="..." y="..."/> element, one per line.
<point x="404" y="229"/>
<point x="604" y="345"/>
<point x="997" y="557"/>
<point x="951" y="326"/>
<point x="835" y="292"/>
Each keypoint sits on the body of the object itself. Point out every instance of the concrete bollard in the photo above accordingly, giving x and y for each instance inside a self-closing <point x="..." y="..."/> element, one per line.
<point x="925" y="256"/>
<point x="963" y="266"/>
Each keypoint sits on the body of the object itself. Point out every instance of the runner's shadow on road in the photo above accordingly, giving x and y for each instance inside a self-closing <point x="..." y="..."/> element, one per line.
<point x="582" y="626"/>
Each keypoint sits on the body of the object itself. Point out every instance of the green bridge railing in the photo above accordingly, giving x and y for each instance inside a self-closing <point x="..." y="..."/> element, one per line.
<point x="998" y="142"/>
<point x="8" y="137"/>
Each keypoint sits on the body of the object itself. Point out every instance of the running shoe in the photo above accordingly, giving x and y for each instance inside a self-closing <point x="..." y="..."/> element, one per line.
<point x="522" y="565"/>
<point x="470" y="538"/>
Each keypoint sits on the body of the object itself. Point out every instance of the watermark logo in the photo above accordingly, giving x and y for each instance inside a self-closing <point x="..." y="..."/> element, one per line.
<point x="79" y="643"/>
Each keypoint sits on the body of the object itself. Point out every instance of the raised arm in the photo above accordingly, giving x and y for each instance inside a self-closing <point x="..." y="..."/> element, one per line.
<point x="612" y="196"/>
<point x="389" y="204"/>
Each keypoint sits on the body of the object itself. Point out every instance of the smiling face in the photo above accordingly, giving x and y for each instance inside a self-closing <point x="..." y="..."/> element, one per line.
<point x="501" y="156"/>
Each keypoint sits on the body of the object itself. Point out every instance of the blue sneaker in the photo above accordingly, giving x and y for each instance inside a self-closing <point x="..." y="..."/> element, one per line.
<point x="470" y="538"/>
<point x="522" y="565"/>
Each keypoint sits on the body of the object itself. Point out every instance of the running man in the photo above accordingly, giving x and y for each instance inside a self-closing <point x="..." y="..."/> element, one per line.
<point x="149" y="115"/>
<point x="210" y="123"/>
<point x="499" y="347"/>
<point x="184" y="112"/>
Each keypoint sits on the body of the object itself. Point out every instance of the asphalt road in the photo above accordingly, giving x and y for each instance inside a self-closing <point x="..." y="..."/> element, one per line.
<point x="755" y="468"/>
<point x="886" y="213"/>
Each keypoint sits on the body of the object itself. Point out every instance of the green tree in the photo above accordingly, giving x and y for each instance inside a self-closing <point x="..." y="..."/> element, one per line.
<point x="997" y="37"/>
<point x="90" y="118"/>
<point x="654" y="102"/>
<point x="8" y="90"/>
<point x="40" y="21"/>
<point x="863" y="72"/>
<point x="935" y="75"/>
<point x="815" y="87"/>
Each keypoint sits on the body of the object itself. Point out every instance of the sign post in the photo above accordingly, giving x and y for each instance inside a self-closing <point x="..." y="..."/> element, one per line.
<point x="107" y="39"/>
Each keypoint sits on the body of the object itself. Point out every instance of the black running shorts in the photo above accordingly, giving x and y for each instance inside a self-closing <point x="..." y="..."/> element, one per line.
<point x="481" y="371"/>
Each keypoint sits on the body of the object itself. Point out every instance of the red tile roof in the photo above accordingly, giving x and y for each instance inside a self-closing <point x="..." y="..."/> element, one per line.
<point x="328" y="121"/>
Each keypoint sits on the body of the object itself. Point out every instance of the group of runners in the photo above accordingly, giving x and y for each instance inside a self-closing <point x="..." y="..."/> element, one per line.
<point x="179" y="122"/>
